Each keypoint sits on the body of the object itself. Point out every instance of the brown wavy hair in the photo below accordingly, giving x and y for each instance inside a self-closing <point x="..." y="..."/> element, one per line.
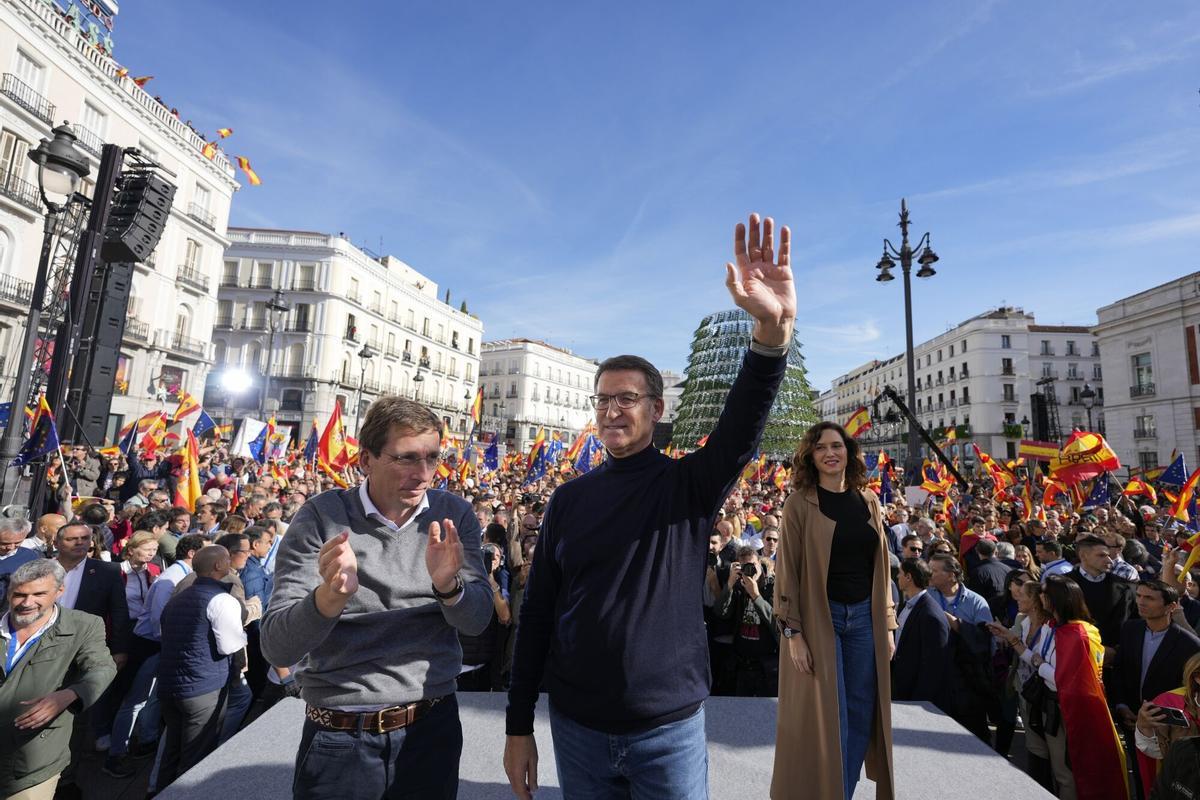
<point x="804" y="469"/>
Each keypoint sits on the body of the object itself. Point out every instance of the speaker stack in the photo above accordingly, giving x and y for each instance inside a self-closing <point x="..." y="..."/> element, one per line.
<point x="137" y="218"/>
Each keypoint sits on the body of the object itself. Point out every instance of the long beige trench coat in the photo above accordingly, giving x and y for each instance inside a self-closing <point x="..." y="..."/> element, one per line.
<point x="808" y="753"/>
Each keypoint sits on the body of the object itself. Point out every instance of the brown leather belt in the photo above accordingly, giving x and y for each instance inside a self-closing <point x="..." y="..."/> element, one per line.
<point x="382" y="721"/>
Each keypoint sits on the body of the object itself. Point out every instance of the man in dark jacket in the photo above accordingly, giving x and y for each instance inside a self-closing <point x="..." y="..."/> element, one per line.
<point x="1110" y="600"/>
<point x="921" y="668"/>
<point x="987" y="578"/>
<point x="55" y="661"/>
<point x="1152" y="651"/>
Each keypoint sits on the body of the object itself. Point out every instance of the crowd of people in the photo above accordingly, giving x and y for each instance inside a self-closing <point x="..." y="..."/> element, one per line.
<point x="163" y="629"/>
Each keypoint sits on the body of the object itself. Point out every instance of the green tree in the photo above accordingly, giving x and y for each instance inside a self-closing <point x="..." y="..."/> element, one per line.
<point x="717" y="349"/>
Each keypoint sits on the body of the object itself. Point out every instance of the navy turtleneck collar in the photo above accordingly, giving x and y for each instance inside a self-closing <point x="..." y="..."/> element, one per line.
<point x="643" y="458"/>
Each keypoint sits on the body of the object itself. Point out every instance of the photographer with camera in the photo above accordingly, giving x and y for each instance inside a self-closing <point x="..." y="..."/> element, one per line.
<point x="752" y="666"/>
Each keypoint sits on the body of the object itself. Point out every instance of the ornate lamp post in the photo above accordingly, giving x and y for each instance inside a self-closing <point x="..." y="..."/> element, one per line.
<point x="912" y="464"/>
<point x="276" y="308"/>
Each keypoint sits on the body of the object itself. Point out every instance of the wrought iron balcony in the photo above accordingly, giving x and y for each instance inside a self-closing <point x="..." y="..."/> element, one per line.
<point x="189" y="275"/>
<point x="300" y="326"/>
<point x="137" y="331"/>
<point x="23" y="95"/>
<point x="16" y="291"/>
<point x="1144" y="433"/>
<point x="184" y="344"/>
<point x="304" y="285"/>
<point x="1142" y="390"/>
<point x="89" y="140"/>
<point x="224" y="323"/>
<point x="202" y="215"/>
<point x="22" y="191"/>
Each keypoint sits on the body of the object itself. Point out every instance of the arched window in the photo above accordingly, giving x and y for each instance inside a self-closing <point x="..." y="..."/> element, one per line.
<point x="253" y="360"/>
<point x="183" y="321"/>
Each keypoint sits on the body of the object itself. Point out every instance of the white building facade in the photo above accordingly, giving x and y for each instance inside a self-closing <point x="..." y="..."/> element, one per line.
<point x="530" y="384"/>
<point x="1148" y="345"/>
<point x="52" y="71"/>
<point x="978" y="377"/>
<point x="356" y="326"/>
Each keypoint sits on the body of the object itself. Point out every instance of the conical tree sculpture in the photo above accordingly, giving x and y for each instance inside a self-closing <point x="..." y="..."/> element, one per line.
<point x="717" y="349"/>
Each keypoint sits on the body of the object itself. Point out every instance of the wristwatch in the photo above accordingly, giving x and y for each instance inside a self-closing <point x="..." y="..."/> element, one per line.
<point x="458" y="587"/>
<point x="789" y="632"/>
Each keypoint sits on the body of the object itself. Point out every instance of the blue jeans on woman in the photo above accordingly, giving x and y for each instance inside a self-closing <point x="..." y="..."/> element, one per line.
<point x="669" y="762"/>
<point x="857" y="692"/>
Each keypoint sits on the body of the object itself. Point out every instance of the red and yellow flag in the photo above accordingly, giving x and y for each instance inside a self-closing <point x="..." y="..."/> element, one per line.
<point x="1091" y="736"/>
<point x="224" y="133"/>
<point x="142" y="81"/>
<point x="1192" y="548"/>
<point x="331" y="449"/>
<point x="477" y="408"/>
<point x="187" y="489"/>
<point x="1085" y="455"/>
<point x="859" y="422"/>
<point x="188" y="404"/>
<point x="539" y="442"/>
<point x="209" y="150"/>
<point x="1037" y="451"/>
<point x="122" y="72"/>
<point x="1180" y="504"/>
<point x="244" y="165"/>
<point x="1137" y="486"/>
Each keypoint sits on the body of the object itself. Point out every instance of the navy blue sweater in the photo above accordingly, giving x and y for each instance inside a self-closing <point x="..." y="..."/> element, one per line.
<point x="612" y="618"/>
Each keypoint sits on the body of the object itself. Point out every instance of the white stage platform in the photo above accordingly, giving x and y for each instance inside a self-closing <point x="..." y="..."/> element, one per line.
<point x="934" y="756"/>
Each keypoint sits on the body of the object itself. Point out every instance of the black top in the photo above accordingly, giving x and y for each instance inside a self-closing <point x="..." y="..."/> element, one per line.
<point x="612" y="622"/>
<point x="852" y="554"/>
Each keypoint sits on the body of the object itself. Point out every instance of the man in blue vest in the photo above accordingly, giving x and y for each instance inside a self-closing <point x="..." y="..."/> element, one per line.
<point x="201" y="628"/>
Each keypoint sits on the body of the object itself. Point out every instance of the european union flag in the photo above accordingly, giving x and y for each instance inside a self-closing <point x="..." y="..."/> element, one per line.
<point x="5" y="412"/>
<point x="537" y="470"/>
<point x="587" y="453"/>
<point x="43" y="438"/>
<point x="872" y="460"/>
<point x="1176" y="474"/>
<point x="310" y="447"/>
<point x="885" y="487"/>
<point x="1099" y="496"/>
<point x="491" y="456"/>
<point x="258" y="445"/>
<point x="204" y="424"/>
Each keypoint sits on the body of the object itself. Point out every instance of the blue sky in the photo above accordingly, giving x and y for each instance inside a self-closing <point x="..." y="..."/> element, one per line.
<point x="574" y="170"/>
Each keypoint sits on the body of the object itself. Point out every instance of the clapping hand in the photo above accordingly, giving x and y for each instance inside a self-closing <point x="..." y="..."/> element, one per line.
<point x="760" y="283"/>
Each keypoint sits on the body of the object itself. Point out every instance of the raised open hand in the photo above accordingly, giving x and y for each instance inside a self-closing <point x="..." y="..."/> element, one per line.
<point x="443" y="555"/>
<point x="760" y="283"/>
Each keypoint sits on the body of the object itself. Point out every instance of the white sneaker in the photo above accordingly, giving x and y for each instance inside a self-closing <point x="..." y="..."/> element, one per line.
<point x="102" y="744"/>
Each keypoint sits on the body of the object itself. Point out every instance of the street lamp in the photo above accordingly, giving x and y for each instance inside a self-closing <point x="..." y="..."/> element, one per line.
<point x="1088" y="396"/>
<point x="364" y="356"/>
<point x="60" y="168"/>
<point x="912" y="466"/>
<point x="275" y="307"/>
<point x="234" y="381"/>
<point x="1025" y="425"/>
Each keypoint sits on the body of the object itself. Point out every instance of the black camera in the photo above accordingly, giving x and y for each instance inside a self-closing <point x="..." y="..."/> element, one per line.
<point x="750" y="571"/>
<point x="712" y="560"/>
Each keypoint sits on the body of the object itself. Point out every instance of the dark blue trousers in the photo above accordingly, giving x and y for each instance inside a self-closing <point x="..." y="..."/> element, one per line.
<point x="418" y="762"/>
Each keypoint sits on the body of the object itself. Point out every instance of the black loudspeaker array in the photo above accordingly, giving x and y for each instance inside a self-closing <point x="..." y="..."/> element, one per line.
<point x="1041" y="417"/>
<point x="137" y="218"/>
<point x="91" y="389"/>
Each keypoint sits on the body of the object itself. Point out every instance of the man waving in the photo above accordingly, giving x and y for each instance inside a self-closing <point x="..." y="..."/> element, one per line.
<point x="612" y="618"/>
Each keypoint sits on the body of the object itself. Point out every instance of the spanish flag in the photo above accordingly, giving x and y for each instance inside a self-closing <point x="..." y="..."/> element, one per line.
<point x="1137" y="486"/>
<point x="223" y="431"/>
<point x="122" y="72"/>
<point x="142" y="81"/>
<point x="859" y="422"/>
<point x="244" y="165"/>
<point x="1085" y="455"/>
<point x="224" y="133"/>
<point x="1192" y="548"/>
<point x="1092" y="739"/>
<point x="1180" y="504"/>
<point x="209" y="150"/>
<point x="188" y="404"/>
<point x="187" y="489"/>
<point x="331" y="449"/>
<point x="477" y="408"/>
<point x="539" y="443"/>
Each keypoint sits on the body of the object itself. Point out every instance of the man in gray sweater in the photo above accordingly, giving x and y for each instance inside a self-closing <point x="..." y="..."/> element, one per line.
<point x="372" y="586"/>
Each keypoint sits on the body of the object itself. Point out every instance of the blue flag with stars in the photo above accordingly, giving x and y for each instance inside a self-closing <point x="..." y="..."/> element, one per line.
<point x="1099" y="496"/>
<point x="1176" y="474"/>
<point x="43" y="439"/>
<point x="204" y="424"/>
<point x="491" y="456"/>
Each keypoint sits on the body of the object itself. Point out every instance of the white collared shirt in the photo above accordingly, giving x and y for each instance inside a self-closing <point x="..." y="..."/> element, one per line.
<point x="373" y="512"/>
<point x="71" y="584"/>
<point x="904" y="612"/>
<point x="6" y="635"/>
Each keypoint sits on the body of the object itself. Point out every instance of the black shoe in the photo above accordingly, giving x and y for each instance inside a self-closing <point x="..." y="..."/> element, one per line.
<point x="119" y="767"/>
<point x="140" y="751"/>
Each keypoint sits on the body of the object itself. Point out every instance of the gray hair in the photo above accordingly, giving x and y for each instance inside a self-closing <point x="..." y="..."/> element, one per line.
<point x="12" y="525"/>
<point x="1006" y="550"/>
<point x="36" y="570"/>
<point x="925" y="524"/>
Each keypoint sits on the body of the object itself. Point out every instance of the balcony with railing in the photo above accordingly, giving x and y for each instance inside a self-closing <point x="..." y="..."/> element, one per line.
<point x="187" y="274"/>
<point x="1052" y="374"/>
<point x="1141" y="390"/>
<point x="1144" y="433"/>
<point x="965" y="401"/>
<point x="1007" y="371"/>
<point x="373" y="386"/>
<point x="202" y="215"/>
<point x="406" y="357"/>
<point x="256" y="324"/>
<point x="19" y="190"/>
<point x="229" y="281"/>
<point x="261" y="282"/>
<point x="351" y="335"/>
<point x="354" y="297"/>
<point x="186" y="345"/>
<point x="24" y="95"/>
<point x="224" y="323"/>
<point x="375" y="308"/>
<point x="15" y="291"/>
<point x="296" y="372"/>
<point x="89" y="140"/>
<point x="392" y="351"/>
<point x="300" y="326"/>
<point x="510" y="394"/>
<point x="137" y="331"/>
<point x="304" y="285"/>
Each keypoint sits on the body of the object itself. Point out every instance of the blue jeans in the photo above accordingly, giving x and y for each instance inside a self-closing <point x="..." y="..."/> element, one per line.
<point x="133" y="706"/>
<point x="669" y="762"/>
<point x="857" y="691"/>
<point x="419" y="762"/>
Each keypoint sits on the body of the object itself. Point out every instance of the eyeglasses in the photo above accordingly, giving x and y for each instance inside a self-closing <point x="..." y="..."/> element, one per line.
<point x="771" y="539"/>
<point x="625" y="400"/>
<point x="412" y="462"/>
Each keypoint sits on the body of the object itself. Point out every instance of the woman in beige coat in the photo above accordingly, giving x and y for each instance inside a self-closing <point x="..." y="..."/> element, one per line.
<point x="834" y="604"/>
